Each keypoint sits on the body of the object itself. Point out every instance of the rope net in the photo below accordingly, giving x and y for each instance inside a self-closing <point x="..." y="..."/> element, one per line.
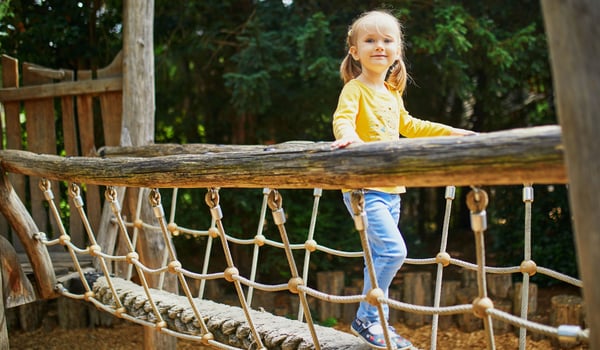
<point x="190" y="316"/>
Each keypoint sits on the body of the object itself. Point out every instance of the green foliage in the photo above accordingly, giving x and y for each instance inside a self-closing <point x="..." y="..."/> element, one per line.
<point x="551" y="233"/>
<point x="61" y="34"/>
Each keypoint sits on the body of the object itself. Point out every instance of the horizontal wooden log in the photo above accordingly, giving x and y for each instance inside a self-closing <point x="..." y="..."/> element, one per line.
<point x="68" y="88"/>
<point x="228" y="324"/>
<point x="529" y="155"/>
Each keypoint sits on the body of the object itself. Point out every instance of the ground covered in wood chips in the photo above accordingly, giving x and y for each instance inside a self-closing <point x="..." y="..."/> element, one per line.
<point x="126" y="336"/>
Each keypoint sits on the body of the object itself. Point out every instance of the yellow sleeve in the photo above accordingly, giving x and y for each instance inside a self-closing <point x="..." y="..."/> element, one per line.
<point x="344" y="117"/>
<point x="414" y="127"/>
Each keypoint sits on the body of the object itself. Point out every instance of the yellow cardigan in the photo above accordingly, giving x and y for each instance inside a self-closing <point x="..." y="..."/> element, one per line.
<point x="368" y="115"/>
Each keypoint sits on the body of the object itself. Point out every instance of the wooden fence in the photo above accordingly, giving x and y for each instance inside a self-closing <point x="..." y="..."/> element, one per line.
<point x="62" y="112"/>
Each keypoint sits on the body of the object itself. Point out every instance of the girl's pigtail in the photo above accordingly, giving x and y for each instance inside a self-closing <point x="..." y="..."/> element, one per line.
<point x="398" y="76"/>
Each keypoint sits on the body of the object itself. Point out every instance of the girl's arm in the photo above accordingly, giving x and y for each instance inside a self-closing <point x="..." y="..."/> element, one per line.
<point x="344" y="119"/>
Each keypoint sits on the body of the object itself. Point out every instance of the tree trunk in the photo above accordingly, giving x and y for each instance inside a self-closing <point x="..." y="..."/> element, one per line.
<point x="573" y="31"/>
<point x="138" y="120"/>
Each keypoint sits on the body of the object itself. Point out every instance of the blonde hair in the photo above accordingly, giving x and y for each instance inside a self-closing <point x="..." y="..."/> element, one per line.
<point x="350" y="68"/>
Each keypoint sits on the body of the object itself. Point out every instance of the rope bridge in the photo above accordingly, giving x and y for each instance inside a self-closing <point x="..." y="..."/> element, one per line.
<point x="190" y="316"/>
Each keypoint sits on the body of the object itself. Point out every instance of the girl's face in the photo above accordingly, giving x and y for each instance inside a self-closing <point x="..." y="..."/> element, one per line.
<point x="377" y="44"/>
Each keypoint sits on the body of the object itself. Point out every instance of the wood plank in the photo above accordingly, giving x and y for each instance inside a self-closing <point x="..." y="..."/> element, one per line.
<point x="111" y="107"/>
<point x="85" y="118"/>
<point x="69" y="88"/>
<point x="572" y="28"/>
<point x="532" y="155"/>
<point x="71" y="145"/>
<point x="10" y="78"/>
<point x="41" y="137"/>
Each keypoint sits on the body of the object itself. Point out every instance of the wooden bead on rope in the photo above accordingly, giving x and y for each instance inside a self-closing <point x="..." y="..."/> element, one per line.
<point x="529" y="267"/>
<point x="88" y="295"/>
<point x="213" y="232"/>
<point x="64" y="239"/>
<point x="310" y="245"/>
<point x="160" y="325"/>
<point x="173" y="266"/>
<point x="373" y="296"/>
<point x="230" y="272"/>
<point x="480" y="305"/>
<point x="293" y="284"/>
<point x="131" y="256"/>
<point x="172" y="227"/>
<point x="259" y="240"/>
<point x="120" y="312"/>
<point x="94" y="250"/>
<point x="207" y="338"/>
<point x="443" y="258"/>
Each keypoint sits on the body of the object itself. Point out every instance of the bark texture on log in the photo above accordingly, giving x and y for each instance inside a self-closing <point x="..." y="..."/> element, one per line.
<point x="532" y="155"/>
<point x="227" y="323"/>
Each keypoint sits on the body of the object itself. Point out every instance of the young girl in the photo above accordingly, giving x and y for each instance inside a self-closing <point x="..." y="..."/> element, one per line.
<point x="370" y="108"/>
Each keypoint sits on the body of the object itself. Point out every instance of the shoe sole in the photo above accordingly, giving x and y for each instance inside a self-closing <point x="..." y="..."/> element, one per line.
<point x="365" y="341"/>
<point x="410" y="347"/>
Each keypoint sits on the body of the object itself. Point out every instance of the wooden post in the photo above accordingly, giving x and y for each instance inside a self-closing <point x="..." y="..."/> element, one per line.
<point x="72" y="313"/>
<point x="417" y="290"/>
<point x="138" y="125"/>
<point x="467" y="322"/>
<point x="531" y="304"/>
<point x="349" y="310"/>
<point x="330" y="282"/>
<point x="499" y="285"/>
<point x="566" y="310"/>
<point x="573" y="31"/>
<point x="448" y="298"/>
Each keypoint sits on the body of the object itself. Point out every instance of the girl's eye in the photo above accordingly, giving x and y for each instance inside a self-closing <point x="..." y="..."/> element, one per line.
<point x="369" y="40"/>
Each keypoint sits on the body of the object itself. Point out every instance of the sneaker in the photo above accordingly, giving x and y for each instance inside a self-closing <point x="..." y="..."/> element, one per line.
<point x="400" y="342"/>
<point x="370" y="333"/>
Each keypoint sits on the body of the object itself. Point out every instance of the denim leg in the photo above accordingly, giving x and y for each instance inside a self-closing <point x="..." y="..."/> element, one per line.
<point x="386" y="243"/>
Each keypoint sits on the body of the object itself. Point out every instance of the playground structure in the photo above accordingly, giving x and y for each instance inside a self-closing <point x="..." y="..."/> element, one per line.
<point x="499" y="163"/>
<point x="133" y="178"/>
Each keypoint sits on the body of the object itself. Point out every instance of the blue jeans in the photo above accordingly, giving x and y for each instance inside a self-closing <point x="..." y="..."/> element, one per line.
<point x="386" y="243"/>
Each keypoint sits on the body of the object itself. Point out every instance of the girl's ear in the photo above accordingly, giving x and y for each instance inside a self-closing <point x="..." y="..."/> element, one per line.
<point x="353" y="53"/>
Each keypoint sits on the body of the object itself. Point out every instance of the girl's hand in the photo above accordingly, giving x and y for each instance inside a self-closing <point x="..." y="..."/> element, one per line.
<point x="342" y="143"/>
<point x="462" y="132"/>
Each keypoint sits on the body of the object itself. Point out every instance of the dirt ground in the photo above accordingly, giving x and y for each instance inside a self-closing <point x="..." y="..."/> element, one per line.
<point x="127" y="336"/>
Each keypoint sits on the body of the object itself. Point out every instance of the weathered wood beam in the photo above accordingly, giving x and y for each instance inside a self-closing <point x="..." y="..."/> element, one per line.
<point x="529" y="155"/>
<point x="68" y="88"/>
<point x="572" y="29"/>
<point x="23" y="225"/>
